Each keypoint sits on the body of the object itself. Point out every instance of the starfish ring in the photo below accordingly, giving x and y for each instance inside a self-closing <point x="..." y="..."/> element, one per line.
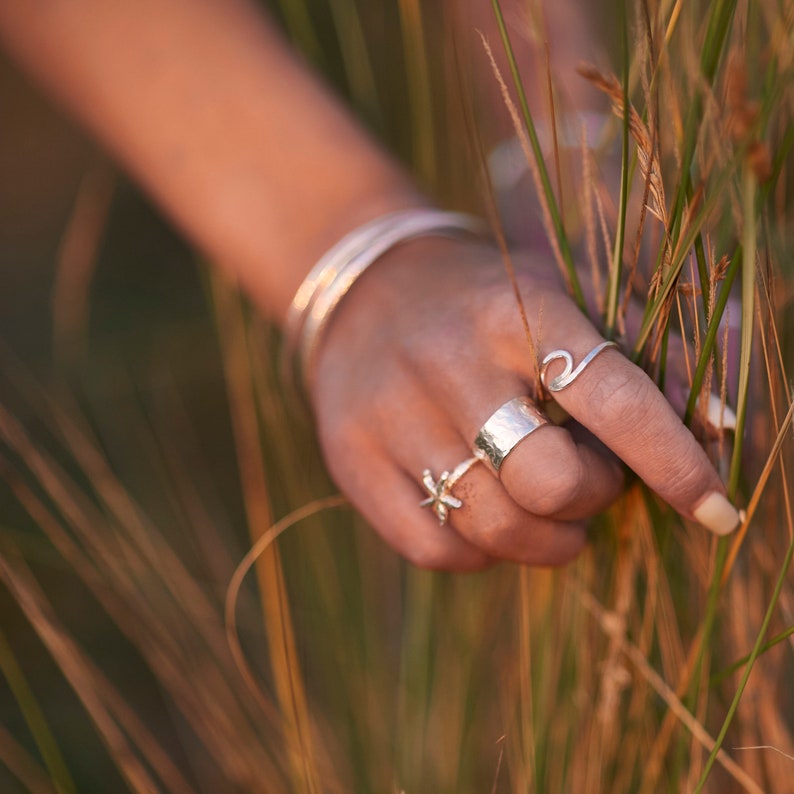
<point x="441" y="499"/>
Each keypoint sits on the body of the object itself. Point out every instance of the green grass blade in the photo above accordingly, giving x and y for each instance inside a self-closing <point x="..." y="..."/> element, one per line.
<point x="683" y="246"/>
<point x="749" y="243"/>
<point x="35" y="719"/>
<point x="757" y="648"/>
<point x="419" y="81"/>
<point x="548" y="191"/>
<point x="616" y="271"/>
<point x="721" y="675"/>
<point x="709" y="343"/>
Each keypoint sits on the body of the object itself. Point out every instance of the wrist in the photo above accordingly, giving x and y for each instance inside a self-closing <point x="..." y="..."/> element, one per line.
<point x="347" y="214"/>
<point x="340" y="267"/>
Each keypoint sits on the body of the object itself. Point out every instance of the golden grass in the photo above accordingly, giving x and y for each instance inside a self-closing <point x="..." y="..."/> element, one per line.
<point x="337" y="667"/>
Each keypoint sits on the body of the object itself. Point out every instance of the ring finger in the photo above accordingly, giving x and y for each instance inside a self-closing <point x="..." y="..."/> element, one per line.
<point x="488" y="518"/>
<point x="548" y="473"/>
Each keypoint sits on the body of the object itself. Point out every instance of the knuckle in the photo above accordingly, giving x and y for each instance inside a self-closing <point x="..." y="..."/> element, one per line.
<point x="492" y="314"/>
<point x="553" y="493"/>
<point x="622" y="402"/>
<point x="682" y="478"/>
<point x="548" y="487"/>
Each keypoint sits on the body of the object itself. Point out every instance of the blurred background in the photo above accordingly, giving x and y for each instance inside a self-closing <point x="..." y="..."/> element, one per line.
<point x="146" y="445"/>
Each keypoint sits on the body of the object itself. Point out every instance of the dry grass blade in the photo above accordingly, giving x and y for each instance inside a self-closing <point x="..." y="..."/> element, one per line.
<point x="274" y="599"/>
<point x="77" y="260"/>
<point x="216" y="727"/>
<point x="172" y="636"/>
<point x="494" y="219"/>
<point x="420" y="90"/>
<point x="154" y="754"/>
<point x="526" y="705"/>
<point x="767" y="747"/>
<point x="144" y="546"/>
<point x="73" y="664"/>
<point x="755" y="500"/>
<point x="590" y="194"/>
<point x="34" y="717"/>
<point x="392" y="679"/>
<point x="526" y="148"/>
<point x="694" y="726"/>
<point x="260" y="546"/>
<point x="647" y="151"/>
<point x="22" y="766"/>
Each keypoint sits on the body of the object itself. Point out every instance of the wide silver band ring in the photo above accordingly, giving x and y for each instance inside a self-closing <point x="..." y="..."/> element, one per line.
<point x="505" y="428"/>
<point x="441" y="500"/>
<point x="569" y="374"/>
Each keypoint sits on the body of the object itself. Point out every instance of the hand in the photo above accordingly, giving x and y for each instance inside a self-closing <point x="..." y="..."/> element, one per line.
<point x="424" y="348"/>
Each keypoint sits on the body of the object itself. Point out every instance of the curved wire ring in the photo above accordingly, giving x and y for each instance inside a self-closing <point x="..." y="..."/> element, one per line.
<point x="569" y="374"/>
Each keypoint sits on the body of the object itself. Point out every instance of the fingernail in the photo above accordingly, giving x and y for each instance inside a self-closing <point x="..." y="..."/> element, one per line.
<point x="720" y="415"/>
<point x="716" y="513"/>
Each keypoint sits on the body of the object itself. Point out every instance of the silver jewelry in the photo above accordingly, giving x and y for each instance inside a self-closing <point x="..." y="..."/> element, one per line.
<point x="339" y="268"/>
<point x="506" y="426"/>
<point x="441" y="499"/>
<point x="569" y="374"/>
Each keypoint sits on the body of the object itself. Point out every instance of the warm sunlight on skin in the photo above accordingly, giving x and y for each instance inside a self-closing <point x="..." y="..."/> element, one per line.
<point x="636" y="232"/>
<point x="253" y="205"/>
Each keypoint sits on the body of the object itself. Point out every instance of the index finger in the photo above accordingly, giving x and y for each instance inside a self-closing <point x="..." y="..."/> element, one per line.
<point x="624" y="408"/>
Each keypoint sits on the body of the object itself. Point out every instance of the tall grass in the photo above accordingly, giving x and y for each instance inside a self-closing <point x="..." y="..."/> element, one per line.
<point x="661" y="660"/>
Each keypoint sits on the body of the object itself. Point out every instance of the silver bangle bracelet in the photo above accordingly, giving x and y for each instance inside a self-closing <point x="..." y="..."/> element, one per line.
<point x="339" y="268"/>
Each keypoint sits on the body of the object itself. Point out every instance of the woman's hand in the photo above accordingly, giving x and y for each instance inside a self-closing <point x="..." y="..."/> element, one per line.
<point x="260" y="167"/>
<point x="424" y="348"/>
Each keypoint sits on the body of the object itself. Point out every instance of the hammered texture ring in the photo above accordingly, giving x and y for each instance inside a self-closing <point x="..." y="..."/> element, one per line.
<point x="505" y="428"/>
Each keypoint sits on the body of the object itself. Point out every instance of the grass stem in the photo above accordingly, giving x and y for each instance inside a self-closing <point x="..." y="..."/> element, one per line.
<point x="548" y="191"/>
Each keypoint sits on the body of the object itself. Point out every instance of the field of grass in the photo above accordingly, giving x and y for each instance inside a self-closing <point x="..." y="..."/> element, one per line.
<point x="142" y="648"/>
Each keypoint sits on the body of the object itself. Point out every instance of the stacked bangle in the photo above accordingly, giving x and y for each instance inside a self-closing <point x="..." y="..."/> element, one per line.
<point x="339" y="268"/>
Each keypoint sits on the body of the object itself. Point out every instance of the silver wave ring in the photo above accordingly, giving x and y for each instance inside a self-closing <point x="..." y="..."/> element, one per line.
<point x="569" y="374"/>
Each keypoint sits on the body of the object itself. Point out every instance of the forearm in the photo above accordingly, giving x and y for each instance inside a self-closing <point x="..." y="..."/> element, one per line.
<point x="219" y="121"/>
